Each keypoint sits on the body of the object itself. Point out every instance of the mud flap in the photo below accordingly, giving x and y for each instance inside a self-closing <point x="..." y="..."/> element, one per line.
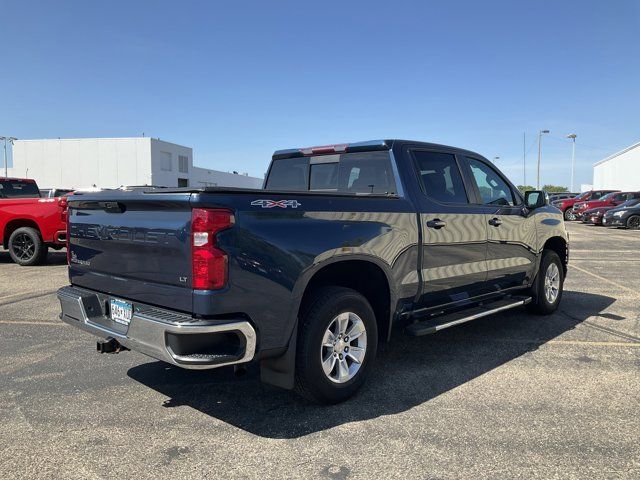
<point x="280" y="371"/>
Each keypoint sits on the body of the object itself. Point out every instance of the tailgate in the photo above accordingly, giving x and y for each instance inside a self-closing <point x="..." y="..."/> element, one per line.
<point x="133" y="245"/>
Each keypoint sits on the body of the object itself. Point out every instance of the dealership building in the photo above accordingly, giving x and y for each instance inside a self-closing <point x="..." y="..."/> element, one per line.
<point x="620" y="171"/>
<point x="114" y="162"/>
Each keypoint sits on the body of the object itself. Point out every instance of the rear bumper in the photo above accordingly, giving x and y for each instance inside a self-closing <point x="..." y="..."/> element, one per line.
<point x="162" y="334"/>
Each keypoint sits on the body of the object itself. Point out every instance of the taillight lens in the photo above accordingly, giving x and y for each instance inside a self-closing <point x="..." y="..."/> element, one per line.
<point x="64" y="204"/>
<point x="209" y="263"/>
<point x="67" y="237"/>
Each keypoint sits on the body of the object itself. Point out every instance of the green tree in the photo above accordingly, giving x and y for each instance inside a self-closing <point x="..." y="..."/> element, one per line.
<point x="525" y="188"/>
<point x="554" y="189"/>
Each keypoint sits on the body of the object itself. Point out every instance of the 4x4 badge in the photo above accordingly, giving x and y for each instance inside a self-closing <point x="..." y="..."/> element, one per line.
<point x="276" y="203"/>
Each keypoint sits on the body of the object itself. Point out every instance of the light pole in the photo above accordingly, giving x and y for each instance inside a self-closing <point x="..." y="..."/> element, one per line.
<point x="6" y="165"/>
<point x="573" y="136"/>
<point x="540" y="155"/>
<point x="495" y="159"/>
<point x="524" y="159"/>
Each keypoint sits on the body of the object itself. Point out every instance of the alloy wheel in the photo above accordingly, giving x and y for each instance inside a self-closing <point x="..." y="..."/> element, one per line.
<point x="23" y="246"/>
<point x="344" y="346"/>
<point x="552" y="283"/>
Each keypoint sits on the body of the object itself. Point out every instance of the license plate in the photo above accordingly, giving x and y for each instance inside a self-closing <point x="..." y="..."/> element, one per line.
<point x="121" y="311"/>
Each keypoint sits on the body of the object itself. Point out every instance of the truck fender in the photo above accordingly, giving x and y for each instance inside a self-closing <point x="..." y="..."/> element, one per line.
<point x="280" y="371"/>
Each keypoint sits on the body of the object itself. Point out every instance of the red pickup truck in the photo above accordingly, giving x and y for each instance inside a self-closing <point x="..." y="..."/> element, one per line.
<point x="30" y="224"/>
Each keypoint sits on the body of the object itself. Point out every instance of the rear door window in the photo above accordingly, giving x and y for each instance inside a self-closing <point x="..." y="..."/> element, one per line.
<point x="440" y="176"/>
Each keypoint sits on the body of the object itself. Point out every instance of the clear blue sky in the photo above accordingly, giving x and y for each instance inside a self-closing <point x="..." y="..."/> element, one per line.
<point x="237" y="80"/>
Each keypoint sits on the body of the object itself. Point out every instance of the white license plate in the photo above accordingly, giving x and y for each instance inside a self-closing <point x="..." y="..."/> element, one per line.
<point x="121" y="311"/>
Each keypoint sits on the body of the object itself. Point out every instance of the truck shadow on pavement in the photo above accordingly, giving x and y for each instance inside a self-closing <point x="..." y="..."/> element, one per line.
<point x="53" y="258"/>
<point x="409" y="372"/>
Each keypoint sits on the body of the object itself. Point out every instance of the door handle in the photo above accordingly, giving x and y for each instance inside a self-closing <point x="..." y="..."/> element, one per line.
<point x="495" y="222"/>
<point x="436" y="223"/>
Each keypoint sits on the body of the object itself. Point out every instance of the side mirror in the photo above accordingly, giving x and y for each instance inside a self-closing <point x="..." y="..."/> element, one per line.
<point x="535" y="199"/>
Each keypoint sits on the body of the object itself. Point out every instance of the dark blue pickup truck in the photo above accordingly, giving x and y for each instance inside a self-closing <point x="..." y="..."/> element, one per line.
<point x="310" y="274"/>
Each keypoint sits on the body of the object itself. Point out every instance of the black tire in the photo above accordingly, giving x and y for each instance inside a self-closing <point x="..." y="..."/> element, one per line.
<point x="633" y="222"/>
<point x="568" y="215"/>
<point x="26" y="247"/>
<point x="539" y="302"/>
<point x="316" y="317"/>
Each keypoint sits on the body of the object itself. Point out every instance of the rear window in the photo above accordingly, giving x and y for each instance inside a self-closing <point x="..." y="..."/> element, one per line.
<point x="18" y="189"/>
<point x="359" y="173"/>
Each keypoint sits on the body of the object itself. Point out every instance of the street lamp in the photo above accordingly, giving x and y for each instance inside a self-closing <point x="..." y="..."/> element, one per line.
<point x="495" y="159"/>
<point x="540" y="154"/>
<point x="6" y="165"/>
<point x="573" y="136"/>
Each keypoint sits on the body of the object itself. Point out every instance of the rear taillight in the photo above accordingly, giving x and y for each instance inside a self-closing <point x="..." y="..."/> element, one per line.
<point x="209" y="263"/>
<point x="64" y="204"/>
<point x="67" y="237"/>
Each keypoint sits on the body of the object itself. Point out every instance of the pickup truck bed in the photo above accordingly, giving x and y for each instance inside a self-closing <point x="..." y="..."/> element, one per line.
<point x="310" y="273"/>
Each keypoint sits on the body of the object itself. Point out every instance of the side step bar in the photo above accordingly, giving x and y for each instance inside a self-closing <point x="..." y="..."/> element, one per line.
<point x="435" y="324"/>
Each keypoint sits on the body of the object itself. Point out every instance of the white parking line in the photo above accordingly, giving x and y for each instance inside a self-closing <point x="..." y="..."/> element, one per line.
<point x="32" y="322"/>
<point x="623" y="287"/>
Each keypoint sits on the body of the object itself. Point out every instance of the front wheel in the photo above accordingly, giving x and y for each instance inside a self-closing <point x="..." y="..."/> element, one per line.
<point x="633" y="222"/>
<point x="547" y="292"/>
<point x="569" y="215"/>
<point x="26" y="247"/>
<point x="337" y="342"/>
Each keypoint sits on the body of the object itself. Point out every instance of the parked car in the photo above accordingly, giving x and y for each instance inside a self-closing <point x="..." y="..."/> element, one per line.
<point x="29" y="224"/>
<point x="596" y="215"/>
<point x="54" y="192"/>
<point x="555" y="197"/>
<point x="609" y="200"/>
<point x="626" y="215"/>
<point x="310" y="274"/>
<point x="566" y="206"/>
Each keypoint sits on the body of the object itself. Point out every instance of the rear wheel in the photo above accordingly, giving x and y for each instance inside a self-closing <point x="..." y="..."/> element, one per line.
<point x="633" y="222"/>
<point x="337" y="340"/>
<point x="26" y="247"/>
<point x="547" y="293"/>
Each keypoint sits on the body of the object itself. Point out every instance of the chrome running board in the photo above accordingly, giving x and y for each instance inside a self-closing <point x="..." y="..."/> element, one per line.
<point x="435" y="324"/>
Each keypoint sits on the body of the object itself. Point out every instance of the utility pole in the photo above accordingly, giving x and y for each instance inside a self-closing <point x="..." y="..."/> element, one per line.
<point x="573" y="136"/>
<point x="524" y="159"/>
<point x="6" y="164"/>
<point x="540" y="155"/>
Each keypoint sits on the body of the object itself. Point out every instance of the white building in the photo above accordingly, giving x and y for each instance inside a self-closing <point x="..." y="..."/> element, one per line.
<point x="114" y="162"/>
<point x="620" y="171"/>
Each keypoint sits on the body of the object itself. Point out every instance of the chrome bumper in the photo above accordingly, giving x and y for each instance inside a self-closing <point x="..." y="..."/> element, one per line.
<point x="151" y="328"/>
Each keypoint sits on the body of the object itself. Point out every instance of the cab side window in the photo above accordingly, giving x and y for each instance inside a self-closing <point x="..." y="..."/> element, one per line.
<point x="493" y="189"/>
<point x="440" y="176"/>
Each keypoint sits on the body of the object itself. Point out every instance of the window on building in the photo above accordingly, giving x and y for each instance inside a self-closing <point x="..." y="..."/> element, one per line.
<point x="183" y="182"/>
<point x="165" y="161"/>
<point x="183" y="164"/>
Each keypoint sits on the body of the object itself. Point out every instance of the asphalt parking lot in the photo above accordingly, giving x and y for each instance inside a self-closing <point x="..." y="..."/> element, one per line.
<point x="510" y="396"/>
